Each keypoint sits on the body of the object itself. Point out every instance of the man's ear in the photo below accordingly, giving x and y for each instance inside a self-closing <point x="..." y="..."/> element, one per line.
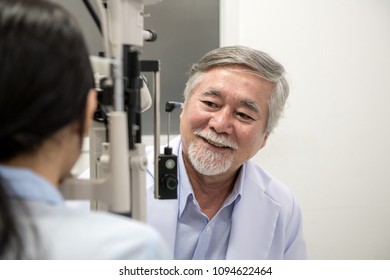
<point x="264" y="141"/>
<point x="91" y="106"/>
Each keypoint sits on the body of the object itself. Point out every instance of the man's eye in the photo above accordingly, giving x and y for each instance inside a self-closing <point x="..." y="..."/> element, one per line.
<point x="244" y="117"/>
<point x="209" y="104"/>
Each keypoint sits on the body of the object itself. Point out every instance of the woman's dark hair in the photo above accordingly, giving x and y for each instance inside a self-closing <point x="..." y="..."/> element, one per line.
<point x="45" y="76"/>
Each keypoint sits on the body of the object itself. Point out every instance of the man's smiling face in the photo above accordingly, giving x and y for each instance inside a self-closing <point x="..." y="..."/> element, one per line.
<point x="223" y="121"/>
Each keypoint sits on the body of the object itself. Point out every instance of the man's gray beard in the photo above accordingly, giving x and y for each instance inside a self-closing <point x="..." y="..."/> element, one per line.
<point x="208" y="162"/>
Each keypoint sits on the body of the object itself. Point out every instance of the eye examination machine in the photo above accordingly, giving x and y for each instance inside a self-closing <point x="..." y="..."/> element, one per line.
<point x="117" y="155"/>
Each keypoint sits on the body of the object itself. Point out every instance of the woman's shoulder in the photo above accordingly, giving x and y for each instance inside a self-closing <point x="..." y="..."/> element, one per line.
<point x="79" y="234"/>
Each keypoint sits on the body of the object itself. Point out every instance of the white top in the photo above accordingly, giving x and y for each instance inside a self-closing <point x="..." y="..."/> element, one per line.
<point x="51" y="230"/>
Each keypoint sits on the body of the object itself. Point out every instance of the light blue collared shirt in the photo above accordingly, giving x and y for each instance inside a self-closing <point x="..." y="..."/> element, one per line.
<point x="22" y="183"/>
<point x="64" y="233"/>
<point x="197" y="237"/>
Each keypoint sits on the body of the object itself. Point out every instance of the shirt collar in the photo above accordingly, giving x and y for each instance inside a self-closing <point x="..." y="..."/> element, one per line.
<point x="24" y="184"/>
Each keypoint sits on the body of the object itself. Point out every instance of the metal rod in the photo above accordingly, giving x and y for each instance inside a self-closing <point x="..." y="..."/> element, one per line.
<point x="156" y="123"/>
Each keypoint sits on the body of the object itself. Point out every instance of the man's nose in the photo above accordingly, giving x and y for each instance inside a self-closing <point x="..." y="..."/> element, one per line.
<point x="222" y="121"/>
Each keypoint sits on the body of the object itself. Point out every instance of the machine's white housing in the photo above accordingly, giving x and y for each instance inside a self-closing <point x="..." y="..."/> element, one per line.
<point x="117" y="174"/>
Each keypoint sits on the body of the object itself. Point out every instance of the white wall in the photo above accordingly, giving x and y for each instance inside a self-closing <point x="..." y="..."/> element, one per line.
<point x="333" y="146"/>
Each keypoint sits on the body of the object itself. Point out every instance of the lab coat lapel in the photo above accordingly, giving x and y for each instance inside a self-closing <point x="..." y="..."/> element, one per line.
<point x="162" y="215"/>
<point x="253" y="221"/>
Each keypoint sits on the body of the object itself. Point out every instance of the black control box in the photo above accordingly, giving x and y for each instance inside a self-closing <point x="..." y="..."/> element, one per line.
<point x="167" y="166"/>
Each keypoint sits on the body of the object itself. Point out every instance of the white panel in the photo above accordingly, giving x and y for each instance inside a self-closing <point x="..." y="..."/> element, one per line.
<point x="332" y="148"/>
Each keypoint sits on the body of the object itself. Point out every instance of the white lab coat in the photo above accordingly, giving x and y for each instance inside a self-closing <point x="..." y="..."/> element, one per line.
<point x="266" y="223"/>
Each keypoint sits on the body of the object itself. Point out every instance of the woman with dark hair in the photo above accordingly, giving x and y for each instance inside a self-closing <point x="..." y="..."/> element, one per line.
<point x="46" y="106"/>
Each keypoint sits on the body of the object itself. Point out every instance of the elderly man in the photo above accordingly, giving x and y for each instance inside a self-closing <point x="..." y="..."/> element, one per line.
<point x="227" y="206"/>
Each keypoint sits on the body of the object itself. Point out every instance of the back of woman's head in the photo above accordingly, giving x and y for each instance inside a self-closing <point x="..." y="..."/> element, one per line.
<point x="45" y="74"/>
<point x="45" y="77"/>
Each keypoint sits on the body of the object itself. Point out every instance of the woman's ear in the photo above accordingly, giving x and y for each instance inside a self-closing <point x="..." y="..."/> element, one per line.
<point x="90" y="110"/>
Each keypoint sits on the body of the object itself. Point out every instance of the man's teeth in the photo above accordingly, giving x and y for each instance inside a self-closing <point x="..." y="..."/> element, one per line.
<point x="217" y="144"/>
